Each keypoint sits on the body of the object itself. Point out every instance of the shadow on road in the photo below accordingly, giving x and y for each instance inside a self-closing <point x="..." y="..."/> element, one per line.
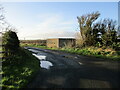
<point x="85" y="77"/>
<point x="68" y="72"/>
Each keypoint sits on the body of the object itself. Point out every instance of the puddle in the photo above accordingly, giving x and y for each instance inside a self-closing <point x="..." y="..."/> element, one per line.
<point x="43" y="63"/>
<point x="34" y="51"/>
<point x="39" y="56"/>
<point x="80" y="63"/>
<point x="46" y="64"/>
<point x="42" y="57"/>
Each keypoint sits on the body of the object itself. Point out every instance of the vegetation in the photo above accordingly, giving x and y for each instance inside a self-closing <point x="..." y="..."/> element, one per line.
<point x="32" y="45"/>
<point x="18" y="76"/>
<point x="96" y="52"/>
<point x="37" y="42"/>
<point x="103" y="52"/>
<point x="0" y="51"/>
<point x="85" y="23"/>
<point x="18" y="65"/>
<point x="11" y="43"/>
<point x="0" y="48"/>
<point x="98" y="39"/>
<point x="100" y="34"/>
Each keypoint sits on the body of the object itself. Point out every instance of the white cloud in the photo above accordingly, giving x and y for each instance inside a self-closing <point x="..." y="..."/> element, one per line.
<point x="51" y="35"/>
<point x="51" y="25"/>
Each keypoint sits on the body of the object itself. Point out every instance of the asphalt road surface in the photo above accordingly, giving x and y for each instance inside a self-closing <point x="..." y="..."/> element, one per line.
<point x="76" y="71"/>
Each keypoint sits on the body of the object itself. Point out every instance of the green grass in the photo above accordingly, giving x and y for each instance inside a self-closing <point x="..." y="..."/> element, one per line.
<point x="1" y="55"/>
<point x="16" y="76"/>
<point x="0" y="48"/>
<point x="32" y="45"/>
<point x="107" y="53"/>
<point x="95" y="52"/>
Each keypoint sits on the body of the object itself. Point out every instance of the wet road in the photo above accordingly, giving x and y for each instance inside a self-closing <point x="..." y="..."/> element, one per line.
<point x="75" y="71"/>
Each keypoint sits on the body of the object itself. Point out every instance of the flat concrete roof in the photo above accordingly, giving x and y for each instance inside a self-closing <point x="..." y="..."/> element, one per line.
<point x="62" y="38"/>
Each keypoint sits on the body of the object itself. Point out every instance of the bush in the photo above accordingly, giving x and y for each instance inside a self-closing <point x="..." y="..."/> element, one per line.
<point x="10" y="41"/>
<point x="19" y="65"/>
<point x="17" y="76"/>
<point x="10" y="44"/>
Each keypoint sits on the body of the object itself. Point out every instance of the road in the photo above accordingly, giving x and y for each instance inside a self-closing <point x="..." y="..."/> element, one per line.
<point x="76" y="71"/>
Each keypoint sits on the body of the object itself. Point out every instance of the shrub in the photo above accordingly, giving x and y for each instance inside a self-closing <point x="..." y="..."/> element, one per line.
<point x="18" y="76"/>
<point x="10" y="43"/>
<point x="11" y="48"/>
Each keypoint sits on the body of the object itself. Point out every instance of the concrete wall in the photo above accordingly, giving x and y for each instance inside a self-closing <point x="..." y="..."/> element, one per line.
<point x="60" y="42"/>
<point x="52" y="43"/>
<point x="66" y="43"/>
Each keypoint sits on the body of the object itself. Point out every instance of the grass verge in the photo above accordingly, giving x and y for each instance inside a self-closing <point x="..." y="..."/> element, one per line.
<point x="16" y="76"/>
<point x="107" y="53"/>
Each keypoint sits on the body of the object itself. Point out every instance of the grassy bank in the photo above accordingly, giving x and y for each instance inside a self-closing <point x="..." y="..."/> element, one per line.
<point x="0" y="51"/>
<point x="95" y="52"/>
<point x="18" y="75"/>
<point x="0" y="48"/>
<point x="108" y="53"/>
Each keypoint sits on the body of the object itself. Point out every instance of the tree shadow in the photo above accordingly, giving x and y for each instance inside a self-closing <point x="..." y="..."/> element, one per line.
<point x="85" y="77"/>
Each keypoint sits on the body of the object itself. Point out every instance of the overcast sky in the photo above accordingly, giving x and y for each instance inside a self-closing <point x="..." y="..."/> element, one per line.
<point x="39" y="20"/>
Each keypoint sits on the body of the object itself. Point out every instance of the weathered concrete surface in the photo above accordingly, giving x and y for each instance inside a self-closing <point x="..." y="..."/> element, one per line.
<point x="75" y="71"/>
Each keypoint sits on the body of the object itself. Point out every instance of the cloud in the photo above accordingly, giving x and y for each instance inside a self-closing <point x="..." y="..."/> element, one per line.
<point x="54" y="22"/>
<point x="51" y="35"/>
<point x="51" y="25"/>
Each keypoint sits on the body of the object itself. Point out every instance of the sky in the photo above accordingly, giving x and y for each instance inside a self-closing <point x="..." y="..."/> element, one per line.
<point x="41" y="20"/>
<point x="59" y="0"/>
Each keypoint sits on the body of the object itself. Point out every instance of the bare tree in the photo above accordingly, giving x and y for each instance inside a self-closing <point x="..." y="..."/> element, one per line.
<point x="85" y="24"/>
